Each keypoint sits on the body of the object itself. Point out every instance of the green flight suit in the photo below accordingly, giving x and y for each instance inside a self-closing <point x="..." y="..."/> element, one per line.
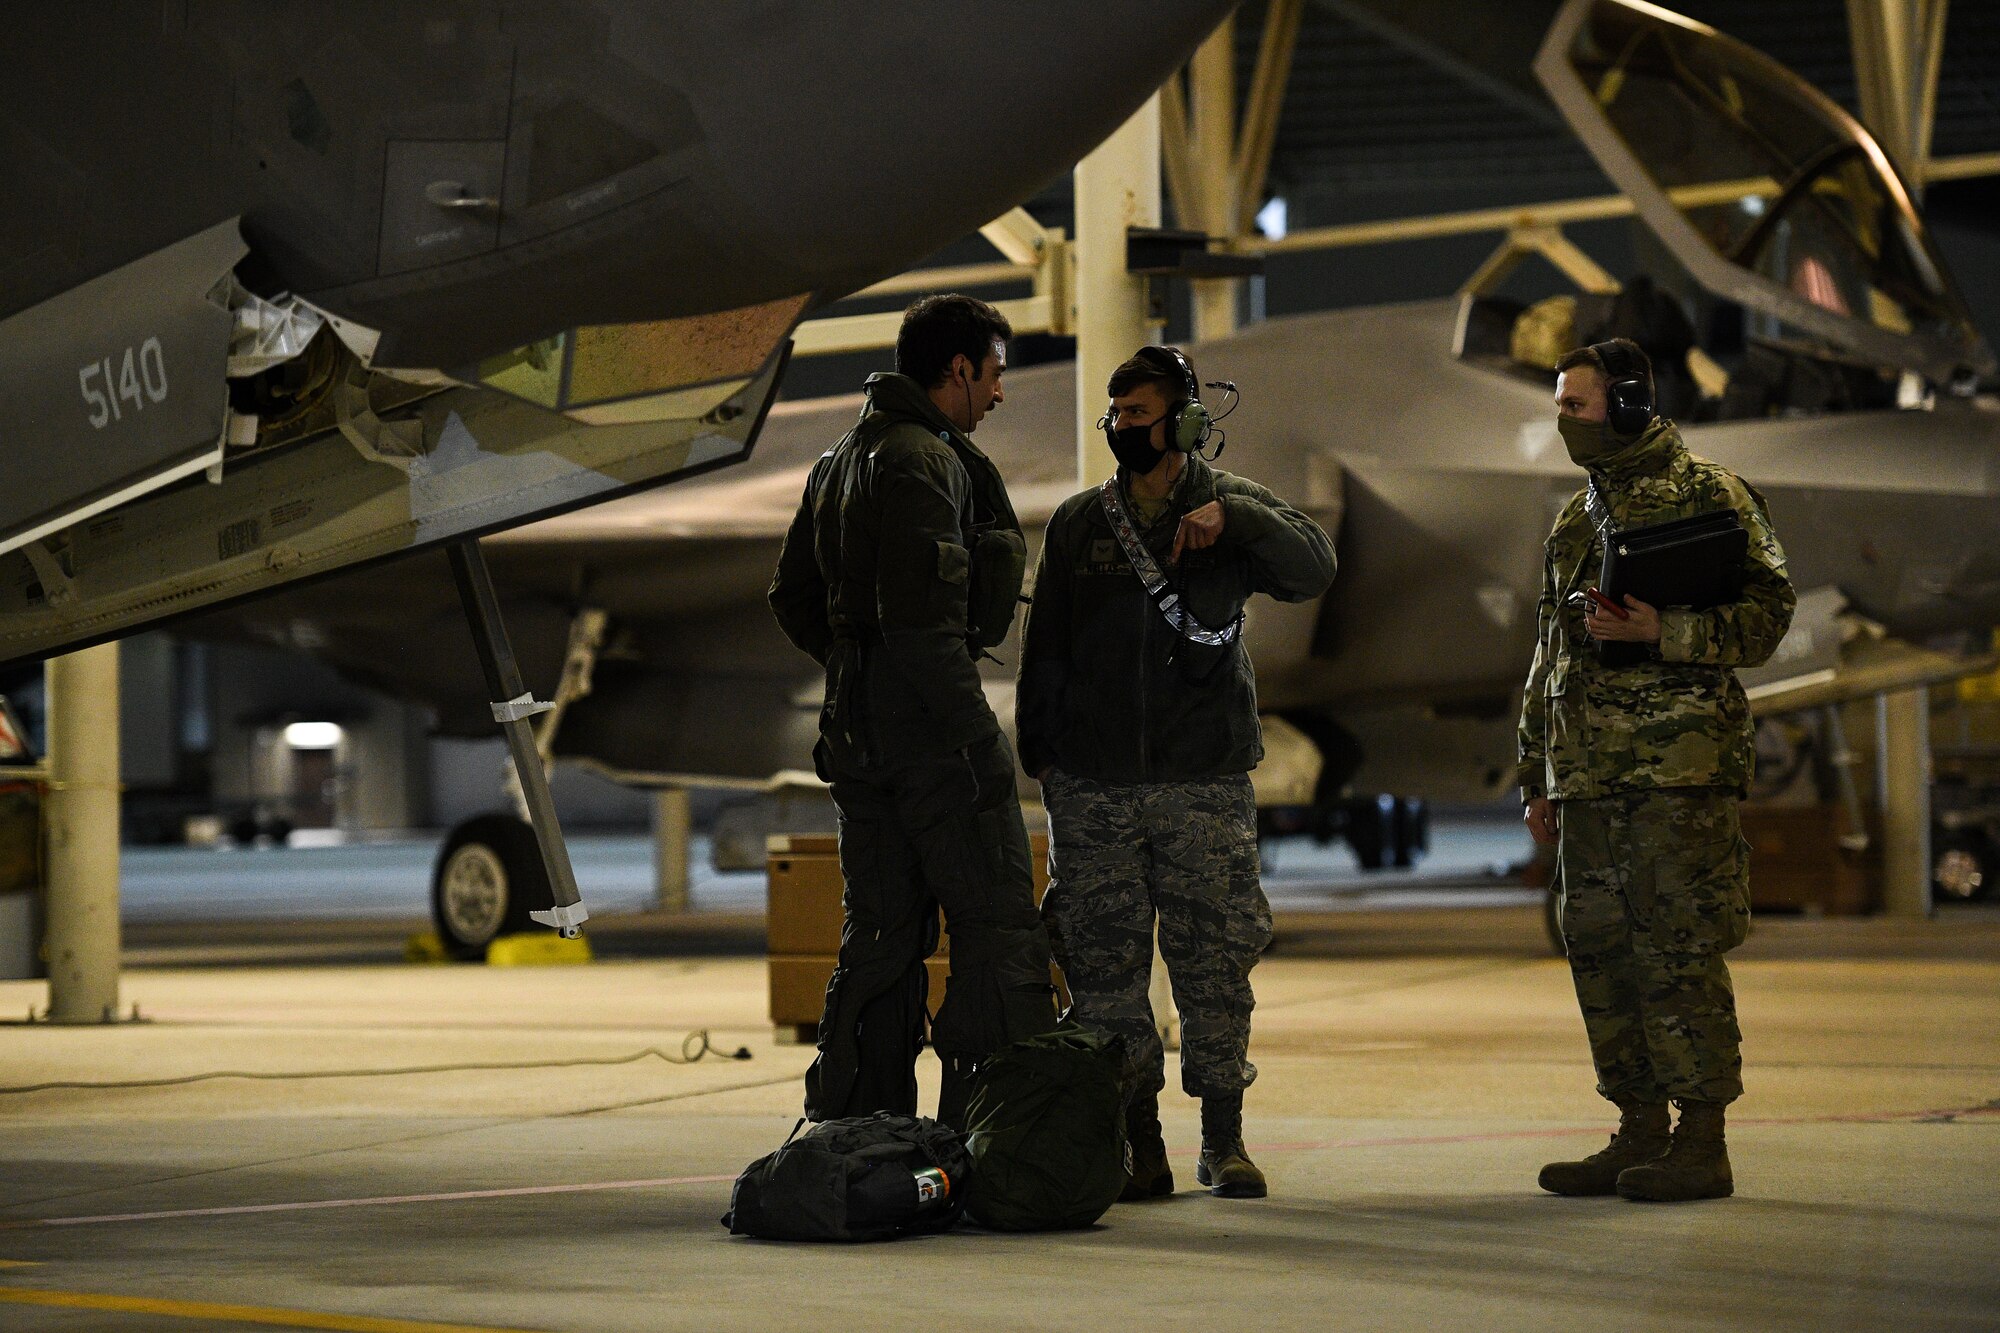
<point x="880" y="581"/>
<point x="1647" y="764"/>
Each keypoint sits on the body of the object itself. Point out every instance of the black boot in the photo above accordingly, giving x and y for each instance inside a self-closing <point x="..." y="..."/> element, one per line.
<point x="1224" y="1167"/>
<point x="1641" y="1137"/>
<point x="1152" y="1176"/>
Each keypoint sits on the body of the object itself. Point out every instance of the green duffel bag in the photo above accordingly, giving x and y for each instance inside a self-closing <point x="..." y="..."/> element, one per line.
<point x="1045" y="1127"/>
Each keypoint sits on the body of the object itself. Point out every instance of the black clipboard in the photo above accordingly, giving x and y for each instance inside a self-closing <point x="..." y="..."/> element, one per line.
<point x="1694" y="563"/>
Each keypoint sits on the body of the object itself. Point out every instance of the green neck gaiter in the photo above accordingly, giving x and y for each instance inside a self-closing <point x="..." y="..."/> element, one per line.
<point x="1587" y="441"/>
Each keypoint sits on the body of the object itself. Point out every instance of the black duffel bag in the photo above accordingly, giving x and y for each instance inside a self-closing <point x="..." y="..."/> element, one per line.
<point x="867" y="1178"/>
<point x="1045" y="1127"/>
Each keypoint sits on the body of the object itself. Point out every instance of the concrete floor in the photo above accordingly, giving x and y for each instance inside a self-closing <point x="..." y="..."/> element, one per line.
<point x="1418" y="1067"/>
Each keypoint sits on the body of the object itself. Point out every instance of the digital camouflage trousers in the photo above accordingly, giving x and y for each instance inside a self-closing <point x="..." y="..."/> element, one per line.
<point x="1655" y="889"/>
<point x="1124" y="855"/>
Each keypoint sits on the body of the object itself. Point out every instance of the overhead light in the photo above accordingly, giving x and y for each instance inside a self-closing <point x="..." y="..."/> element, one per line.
<point x="1271" y="218"/>
<point x="312" y="735"/>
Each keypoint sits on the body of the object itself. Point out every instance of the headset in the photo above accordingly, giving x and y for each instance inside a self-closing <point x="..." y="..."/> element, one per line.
<point x="1189" y="424"/>
<point x="1628" y="397"/>
<point x="1187" y="421"/>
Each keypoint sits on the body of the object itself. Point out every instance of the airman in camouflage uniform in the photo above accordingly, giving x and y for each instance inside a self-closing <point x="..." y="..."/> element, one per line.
<point x="1637" y="771"/>
<point x="1143" y="738"/>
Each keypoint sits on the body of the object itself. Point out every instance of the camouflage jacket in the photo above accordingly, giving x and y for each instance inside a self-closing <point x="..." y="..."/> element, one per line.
<point x="1679" y="719"/>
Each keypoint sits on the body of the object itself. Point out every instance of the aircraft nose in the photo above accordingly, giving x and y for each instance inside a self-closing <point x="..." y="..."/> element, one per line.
<point x="911" y="125"/>
<point x="694" y="159"/>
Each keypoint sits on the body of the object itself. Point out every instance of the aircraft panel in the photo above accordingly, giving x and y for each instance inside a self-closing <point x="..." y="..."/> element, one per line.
<point x="480" y="461"/>
<point x="115" y="388"/>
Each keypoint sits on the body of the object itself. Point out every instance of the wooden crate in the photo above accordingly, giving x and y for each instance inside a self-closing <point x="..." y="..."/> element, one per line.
<point x="804" y="927"/>
<point x="1797" y="862"/>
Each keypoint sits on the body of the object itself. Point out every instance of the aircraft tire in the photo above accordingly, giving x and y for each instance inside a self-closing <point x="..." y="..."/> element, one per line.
<point x="487" y="878"/>
<point x="1371" y="831"/>
<point x="1411" y="825"/>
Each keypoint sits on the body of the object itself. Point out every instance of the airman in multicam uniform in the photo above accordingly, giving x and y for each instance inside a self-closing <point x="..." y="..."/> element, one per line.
<point x="1636" y="773"/>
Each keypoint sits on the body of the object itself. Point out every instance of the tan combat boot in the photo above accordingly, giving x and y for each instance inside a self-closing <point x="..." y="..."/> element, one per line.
<point x="1224" y="1167"/>
<point x="1695" y="1167"/>
<point x="1152" y="1176"/>
<point x="1642" y="1135"/>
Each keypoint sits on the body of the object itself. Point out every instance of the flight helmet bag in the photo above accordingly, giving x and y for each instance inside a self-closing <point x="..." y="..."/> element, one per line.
<point x="1046" y="1132"/>
<point x="866" y="1178"/>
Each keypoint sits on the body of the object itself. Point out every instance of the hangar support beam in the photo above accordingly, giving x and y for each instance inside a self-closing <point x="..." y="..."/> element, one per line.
<point x="673" y="840"/>
<point x="1560" y="212"/>
<point x="1212" y="98"/>
<point x="82" y="938"/>
<point x="1898" y="46"/>
<point x="1263" y="107"/>
<point x="1117" y="188"/>
<point x="1903" y="786"/>
<point x="1215" y="169"/>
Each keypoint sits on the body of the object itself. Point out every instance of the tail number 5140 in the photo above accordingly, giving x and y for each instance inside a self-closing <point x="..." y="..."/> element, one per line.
<point x="140" y="378"/>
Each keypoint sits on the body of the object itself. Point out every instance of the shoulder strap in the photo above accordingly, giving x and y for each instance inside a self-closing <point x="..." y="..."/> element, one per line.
<point x="1178" y="617"/>
<point x="1599" y="511"/>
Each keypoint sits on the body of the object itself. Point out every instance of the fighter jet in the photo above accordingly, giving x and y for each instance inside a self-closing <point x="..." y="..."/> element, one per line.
<point x="285" y="289"/>
<point x="1422" y="435"/>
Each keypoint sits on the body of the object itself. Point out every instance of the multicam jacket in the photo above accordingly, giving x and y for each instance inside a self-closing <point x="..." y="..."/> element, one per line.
<point x="1679" y="719"/>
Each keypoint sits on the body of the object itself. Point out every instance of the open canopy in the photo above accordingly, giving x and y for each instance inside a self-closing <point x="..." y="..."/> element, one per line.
<point x="1763" y="188"/>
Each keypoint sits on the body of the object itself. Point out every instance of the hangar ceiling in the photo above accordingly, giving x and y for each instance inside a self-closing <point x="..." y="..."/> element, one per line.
<point x="1392" y="96"/>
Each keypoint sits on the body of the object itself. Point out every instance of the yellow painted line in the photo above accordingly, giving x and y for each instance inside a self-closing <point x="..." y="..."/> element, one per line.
<point x="18" y="1263"/>
<point x="232" y="1314"/>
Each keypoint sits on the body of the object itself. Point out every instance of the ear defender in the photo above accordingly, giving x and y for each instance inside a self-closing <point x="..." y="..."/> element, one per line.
<point x="1188" y="420"/>
<point x="1628" y="400"/>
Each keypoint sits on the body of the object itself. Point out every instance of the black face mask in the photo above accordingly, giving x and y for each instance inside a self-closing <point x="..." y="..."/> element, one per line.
<point x="1133" y="448"/>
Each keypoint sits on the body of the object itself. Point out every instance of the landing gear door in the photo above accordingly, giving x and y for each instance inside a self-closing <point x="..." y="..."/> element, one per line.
<point x="1764" y="189"/>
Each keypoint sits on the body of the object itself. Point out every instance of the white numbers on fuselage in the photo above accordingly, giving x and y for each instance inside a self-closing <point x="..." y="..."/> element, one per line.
<point x="135" y="379"/>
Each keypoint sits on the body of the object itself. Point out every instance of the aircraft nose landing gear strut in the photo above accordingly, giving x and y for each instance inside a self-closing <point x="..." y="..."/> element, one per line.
<point x="512" y="707"/>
